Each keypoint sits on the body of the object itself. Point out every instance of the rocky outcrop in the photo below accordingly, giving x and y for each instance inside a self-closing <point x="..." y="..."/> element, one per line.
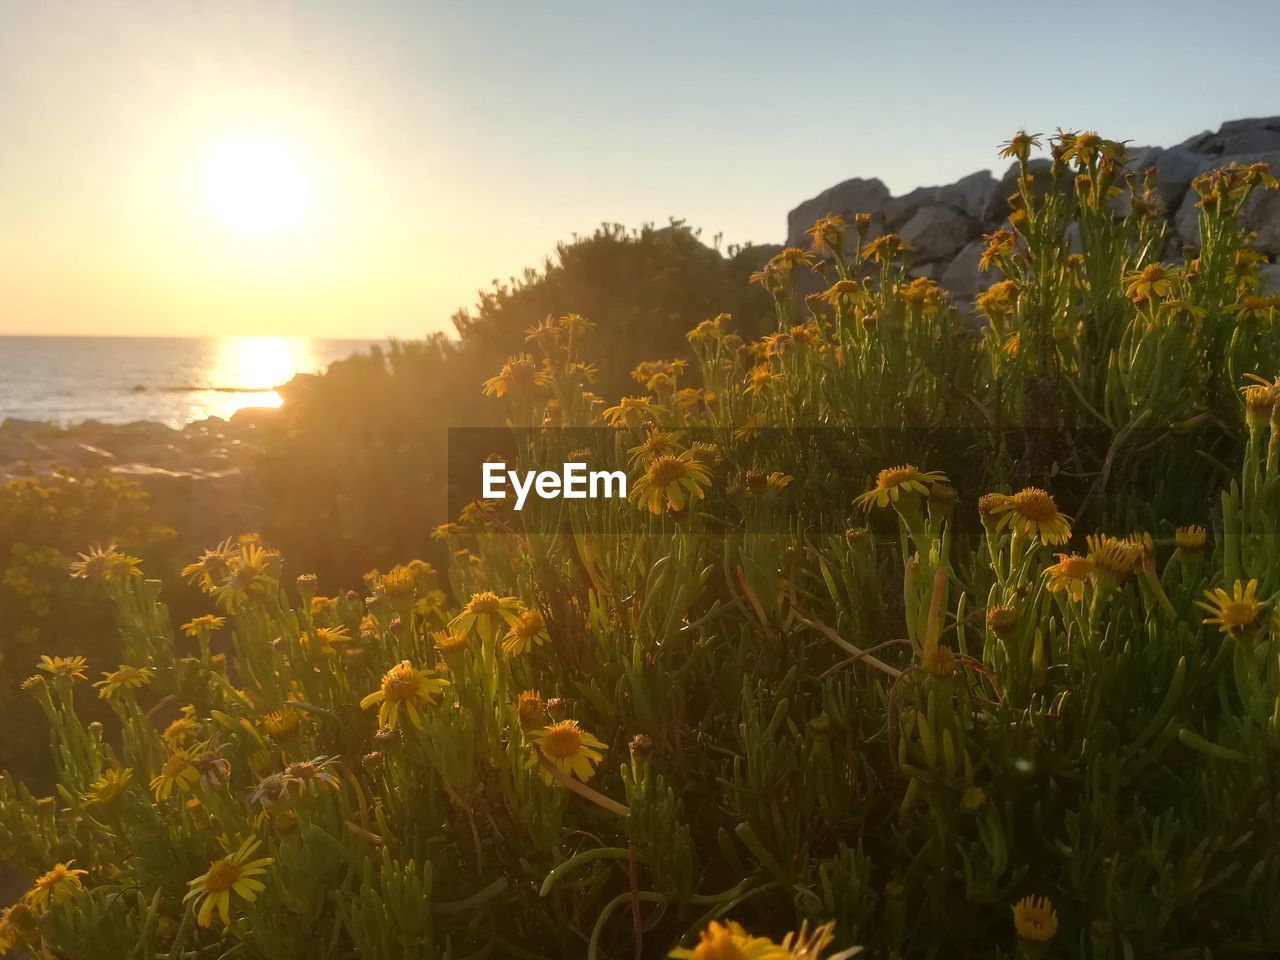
<point x="945" y="224"/>
<point x="199" y="478"/>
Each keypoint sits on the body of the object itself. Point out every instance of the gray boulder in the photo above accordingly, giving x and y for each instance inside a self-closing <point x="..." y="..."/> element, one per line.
<point x="1269" y="280"/>
<point x="937" y="232"/>
<point x="971" y="195"/>
<point x="962" y="276"/>
<point x="846" y="199"/>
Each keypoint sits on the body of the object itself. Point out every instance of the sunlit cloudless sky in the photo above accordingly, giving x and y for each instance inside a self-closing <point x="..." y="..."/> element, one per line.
<point x="447" y="144"/>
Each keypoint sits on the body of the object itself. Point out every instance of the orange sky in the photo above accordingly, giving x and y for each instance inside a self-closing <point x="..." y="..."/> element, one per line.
<point x="448" y="143"/>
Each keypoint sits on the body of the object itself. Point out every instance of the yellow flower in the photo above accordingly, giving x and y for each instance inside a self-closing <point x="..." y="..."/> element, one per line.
<point x="828" y="233"/>
<point x="656" y="444"/>
<point x="248" y="575"/>
<point x="1191" y="539"/>
<point x="105" y="564"/>
<point x="282" y="725"/>
<point x="203" y="625"/>
<point x="404" y="685"/>
<point x="632" y="412"/>
<point x="529" y="630"/>
<point x="894" y="482"/>
<point x="68" y="668"/>
<point x="1112" y="559"/>
<point x="487" y="613"/>
<point x="886" y="247"/>
<point x="1069" y="574"/>
<point x="569" y="748"/>
<point x="1035" y="919"/>
<point x="56" y="886"/>
<point x="729" y="941"/>
<point x="519" y="376"/>
<point x="1018" y="147"/>
<point x="212" y="567"/>
<point x="126" y="678"/>
<point x="19" y="926"/>
<point x="1152" y="282"/>
<point x="327" y="638"/>
<point x="233" y="873"/>
<point x="708" y="331"/>
<point x="1032" y="512"/>
<point x="762" y="378"/>
<point x="182" y="729"/>
<point x="1236" y="611"/>
<point x="108" y="787"/>
<point x="178" y="772"/>
<point x="674" y="481"/>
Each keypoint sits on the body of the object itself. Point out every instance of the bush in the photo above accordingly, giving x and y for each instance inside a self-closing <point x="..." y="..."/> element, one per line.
<point x="1001" y="699"/>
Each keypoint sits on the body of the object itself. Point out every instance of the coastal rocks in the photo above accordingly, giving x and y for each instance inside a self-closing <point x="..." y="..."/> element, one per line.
<point x="846" y="199"/>
<point x="945" y="224"/>
<point x="200" y="478"/>
<point x="936" y="231"/>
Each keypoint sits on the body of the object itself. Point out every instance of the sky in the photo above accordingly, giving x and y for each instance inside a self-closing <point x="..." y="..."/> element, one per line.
<point x="361" y="169"/>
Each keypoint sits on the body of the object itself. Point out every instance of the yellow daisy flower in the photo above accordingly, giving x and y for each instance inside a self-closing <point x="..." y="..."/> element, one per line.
<point x="528" y="631"/>
<point x="519" y="376"/>
<point x="569" y="748"/>
<point x="67" y="668"/>
<point x="203" y="625"/>
<point x="126" y="678"/>
<point x="633" y="412"/>
<point x="487" y="613"/>
<point x="894" y="482"/>
<point x="1236" y="611"/>
<point x="404" y="685"/>
<point x="108" y="787"/>
<point x="1034" y="513"/>
<point x="234" y="873"/>
<point x="105" y="564"/>
<point x="670" y="481"/>
<point x="729" y="941"/>
<point x="1035" y="919"/>
<point x="1070" y="574"/>
<point x="179" y="772"/>
<point x="55" y="886"/>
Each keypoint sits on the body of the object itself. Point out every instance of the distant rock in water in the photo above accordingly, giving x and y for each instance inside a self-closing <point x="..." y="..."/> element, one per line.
<point x="945" y="224"/>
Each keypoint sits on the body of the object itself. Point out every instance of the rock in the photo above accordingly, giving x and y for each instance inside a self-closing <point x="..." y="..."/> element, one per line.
<point x="846" y="199"/>
<point x="1269" y="279"/>
<point x="970" y="195"/>
<point x="937" y="232"/>
<point x="1250" y="136"/>
<point x="898" y="210"/>
<point x="1206" y="142"/>
<point x="1175" y="169"/>
<point x="963" y="278"/>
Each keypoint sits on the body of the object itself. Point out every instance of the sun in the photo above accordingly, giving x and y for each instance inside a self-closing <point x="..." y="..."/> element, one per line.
<point x="257" y="187"/>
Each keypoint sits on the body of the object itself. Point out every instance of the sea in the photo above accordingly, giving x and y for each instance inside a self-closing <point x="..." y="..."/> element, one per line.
<point x="171" y="380"/>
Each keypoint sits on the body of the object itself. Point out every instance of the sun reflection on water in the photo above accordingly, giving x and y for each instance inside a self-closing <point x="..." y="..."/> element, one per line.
<point x="247" y="370"/>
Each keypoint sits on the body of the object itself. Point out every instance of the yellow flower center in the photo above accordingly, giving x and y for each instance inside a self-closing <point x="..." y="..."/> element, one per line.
<point x="562" y="740"/>
<point x="1035" y="504"/>
<point x="1238" y="614"/>
<point x="667" y="470"/>
<point x="222" y="874"/>
<point x="176" y="763"/>
<point x="893" y="476"/>
<point x="486" y="602"/>
<point x="528" y="626"/>
<point x="1077" y="568"/>
<point x="401" y="683"/>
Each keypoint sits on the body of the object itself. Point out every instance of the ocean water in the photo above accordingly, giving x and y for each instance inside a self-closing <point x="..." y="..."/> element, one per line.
<point x="171" y="380"/>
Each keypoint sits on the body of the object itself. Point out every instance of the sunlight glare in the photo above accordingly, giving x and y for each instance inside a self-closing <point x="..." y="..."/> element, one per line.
<point x="257" y="187"/>
<point x="248" y="369"/>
